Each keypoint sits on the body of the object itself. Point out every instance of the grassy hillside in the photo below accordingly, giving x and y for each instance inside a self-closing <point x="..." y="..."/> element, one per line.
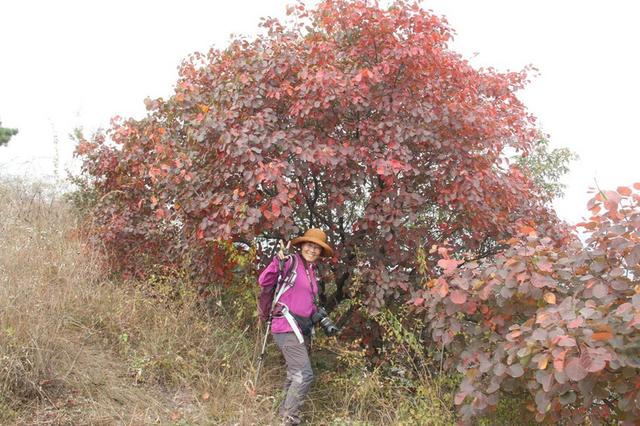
<point x="78" y="348"/>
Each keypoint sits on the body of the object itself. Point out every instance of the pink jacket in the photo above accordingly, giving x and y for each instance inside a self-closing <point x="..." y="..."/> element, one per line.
<point x="299" y="298"/>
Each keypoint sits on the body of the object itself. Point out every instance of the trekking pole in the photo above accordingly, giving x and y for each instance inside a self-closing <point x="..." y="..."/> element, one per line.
<point x="263" y="351"/>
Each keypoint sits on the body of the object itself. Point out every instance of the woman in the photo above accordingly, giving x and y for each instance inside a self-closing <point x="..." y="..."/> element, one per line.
<point x="296" y="302"/>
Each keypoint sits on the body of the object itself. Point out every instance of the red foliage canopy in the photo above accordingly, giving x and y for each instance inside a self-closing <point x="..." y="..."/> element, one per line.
<point x="349" y="117"/>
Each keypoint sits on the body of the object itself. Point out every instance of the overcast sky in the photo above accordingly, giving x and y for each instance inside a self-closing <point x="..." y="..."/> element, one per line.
<point x="68" y="64"/>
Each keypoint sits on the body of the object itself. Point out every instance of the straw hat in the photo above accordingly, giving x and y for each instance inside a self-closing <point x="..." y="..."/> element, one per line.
<point x="317" y="236"/>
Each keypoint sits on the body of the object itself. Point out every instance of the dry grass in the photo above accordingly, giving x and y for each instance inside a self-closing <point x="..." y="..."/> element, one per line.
<point x="78" y="349"/>
<point x="52" y="370"/>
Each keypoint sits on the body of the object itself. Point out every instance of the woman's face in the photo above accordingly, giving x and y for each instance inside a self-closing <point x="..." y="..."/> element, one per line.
<point x="310" y="251"/>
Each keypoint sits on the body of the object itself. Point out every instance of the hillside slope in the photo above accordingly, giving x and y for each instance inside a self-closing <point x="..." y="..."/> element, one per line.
<point x="80" y="348"/>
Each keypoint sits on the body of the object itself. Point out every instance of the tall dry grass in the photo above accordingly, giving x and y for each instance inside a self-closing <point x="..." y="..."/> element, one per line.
<point x="77" y="348"/>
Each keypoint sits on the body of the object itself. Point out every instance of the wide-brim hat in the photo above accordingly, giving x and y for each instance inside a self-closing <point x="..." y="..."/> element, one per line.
<point x="317" y="236"/>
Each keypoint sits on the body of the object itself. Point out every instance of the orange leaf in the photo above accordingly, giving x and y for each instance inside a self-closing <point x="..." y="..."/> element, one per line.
<point x="550" y="298"/>
<point x="542" y="316"/>
<point x="527" y="230"/>
<point x="205" y="396"/>
<point x="602" y="336"/>
<point x="542" y="362"/>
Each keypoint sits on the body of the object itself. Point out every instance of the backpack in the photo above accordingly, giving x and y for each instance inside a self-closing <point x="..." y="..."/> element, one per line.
<point x="267" y="293"/>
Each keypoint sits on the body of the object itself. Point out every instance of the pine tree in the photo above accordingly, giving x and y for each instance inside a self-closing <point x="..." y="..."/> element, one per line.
<point x="6" y="134"/>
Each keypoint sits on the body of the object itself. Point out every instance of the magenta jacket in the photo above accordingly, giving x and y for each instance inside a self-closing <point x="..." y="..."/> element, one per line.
<point x="299" y="299"/>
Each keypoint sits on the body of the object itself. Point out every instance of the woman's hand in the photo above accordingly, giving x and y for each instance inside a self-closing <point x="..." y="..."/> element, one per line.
<point x="283" y="250"/>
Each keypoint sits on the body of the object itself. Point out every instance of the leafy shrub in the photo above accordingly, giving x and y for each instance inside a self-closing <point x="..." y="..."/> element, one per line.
<point x="557" y="321"/>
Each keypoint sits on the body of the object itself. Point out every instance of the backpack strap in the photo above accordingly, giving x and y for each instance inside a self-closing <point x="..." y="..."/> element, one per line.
<point x="287" y="283"/>
<point x="288" y="280"/>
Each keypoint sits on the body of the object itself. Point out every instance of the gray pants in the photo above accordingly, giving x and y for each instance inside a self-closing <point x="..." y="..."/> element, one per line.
<point x="299" y="373"/>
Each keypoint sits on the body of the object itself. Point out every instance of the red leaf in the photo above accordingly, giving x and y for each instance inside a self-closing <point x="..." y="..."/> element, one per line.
<point x="459" y="398"/>
<point x="449" y="265"/>
<point x="593" y="361"/>
<point x="558" y="361"/>
<point x="622" y="309"/>
<point x="511" y="337"/>
<point x="275" y="208"/>
<point x="600" y="291"/>
<point x="442" y="289"/>
<point x="418" y="301"/>
<point x="574" y="370"/>
<point x="470" y="308"/>
<point x="624" y="190"/>
<point x="575" y="323"/>
<point x="515" y="370"/>
<point x="566" y="341"/>
<point x="545" y="266"/>
<point x="458" y="297"/>
<point x="540" y="281"/>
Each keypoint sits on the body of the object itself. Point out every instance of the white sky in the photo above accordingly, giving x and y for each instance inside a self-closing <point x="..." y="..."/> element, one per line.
<point x="69" y="63"/>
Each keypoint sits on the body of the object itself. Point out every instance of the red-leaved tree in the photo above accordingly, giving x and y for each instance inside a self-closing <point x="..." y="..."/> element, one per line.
<point x="349" y="117"/>
<point x="361" y="121"/>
